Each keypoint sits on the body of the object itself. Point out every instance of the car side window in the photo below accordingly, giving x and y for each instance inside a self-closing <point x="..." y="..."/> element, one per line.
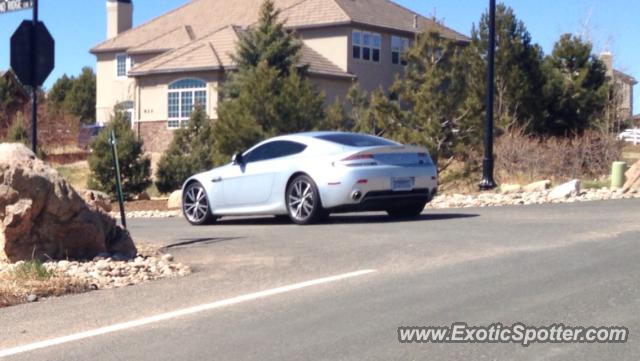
<point x="275" y="149"/>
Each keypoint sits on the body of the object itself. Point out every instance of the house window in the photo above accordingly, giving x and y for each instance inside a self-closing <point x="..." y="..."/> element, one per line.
<point x="127" y="108"/>
<point x="121" y="64"/>
<point x="398" y="46"/>
<point x="124" y="63"/>
<point x="366" y="45"/>
<point x="182" y="98"/>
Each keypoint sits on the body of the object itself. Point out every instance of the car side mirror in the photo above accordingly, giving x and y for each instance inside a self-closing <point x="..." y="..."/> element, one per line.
<point x="237" y="159"/>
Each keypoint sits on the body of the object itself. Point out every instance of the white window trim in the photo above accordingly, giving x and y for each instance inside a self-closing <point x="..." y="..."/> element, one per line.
<point x="126" y="70"/>
<point x="180" y="119"/>
<point x="371" y="45"/>
<point x="406" y="44"/>
<point x="128" y="64"/>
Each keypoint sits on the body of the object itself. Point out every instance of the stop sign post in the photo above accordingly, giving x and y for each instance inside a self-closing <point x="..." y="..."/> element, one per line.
<point x="32" y="60"/>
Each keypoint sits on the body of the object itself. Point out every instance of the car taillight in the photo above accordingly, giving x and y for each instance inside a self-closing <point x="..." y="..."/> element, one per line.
<point x="359" y="160"/>
<point x="358" y="157"/>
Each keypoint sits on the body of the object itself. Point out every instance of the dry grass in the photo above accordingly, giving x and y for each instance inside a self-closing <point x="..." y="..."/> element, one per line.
<point x="522" y="159"/>
<point x="77" y="174"/>
<point x="32" y="278"/>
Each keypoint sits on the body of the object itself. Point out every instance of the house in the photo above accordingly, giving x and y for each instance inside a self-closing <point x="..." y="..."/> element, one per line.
<point x="17" y="100"/>
<point x="157" y="71"/>
<point x="623" y="84"/>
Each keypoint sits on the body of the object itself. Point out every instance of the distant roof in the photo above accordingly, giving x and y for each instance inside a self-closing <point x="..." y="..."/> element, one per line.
<point x="625" y="77"/>
<point x="213" y="52"/>
<point x="200" y="17"/>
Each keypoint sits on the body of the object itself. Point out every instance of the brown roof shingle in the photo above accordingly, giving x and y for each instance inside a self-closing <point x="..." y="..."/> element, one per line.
<point x="204" y="16"/>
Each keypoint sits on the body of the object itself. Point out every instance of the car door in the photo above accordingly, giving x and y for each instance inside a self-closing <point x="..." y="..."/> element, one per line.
<point x="251" y="182"/>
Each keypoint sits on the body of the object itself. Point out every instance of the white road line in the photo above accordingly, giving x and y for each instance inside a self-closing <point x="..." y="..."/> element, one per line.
<point x="178" y="313"/>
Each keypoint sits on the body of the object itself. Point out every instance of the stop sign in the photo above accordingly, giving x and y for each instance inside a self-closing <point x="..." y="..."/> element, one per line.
<point x="24" y="51"/>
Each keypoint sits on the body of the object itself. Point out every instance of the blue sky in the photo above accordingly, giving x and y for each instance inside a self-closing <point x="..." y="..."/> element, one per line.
<point x="77" y="25"/>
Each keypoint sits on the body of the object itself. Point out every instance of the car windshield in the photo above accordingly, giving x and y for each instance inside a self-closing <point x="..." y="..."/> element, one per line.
<point x="356" y="140"/>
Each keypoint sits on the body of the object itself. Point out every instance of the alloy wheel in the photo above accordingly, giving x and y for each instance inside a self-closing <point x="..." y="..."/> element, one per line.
<point x="196" y="206"/>
<point x="301" y="200"/>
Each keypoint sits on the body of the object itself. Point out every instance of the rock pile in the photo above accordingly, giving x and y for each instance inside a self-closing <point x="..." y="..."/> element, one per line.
<point x="105" y="273"/>
<point x="43" y="217"/>
<point x="565" y="193"/>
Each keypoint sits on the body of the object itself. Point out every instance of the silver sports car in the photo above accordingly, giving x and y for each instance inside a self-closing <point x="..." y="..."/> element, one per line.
<point x="307" y="176"/>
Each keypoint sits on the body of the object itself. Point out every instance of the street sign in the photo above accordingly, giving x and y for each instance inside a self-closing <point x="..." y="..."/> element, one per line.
<point x="15" y="5"/>
<point x="23" y="52"/>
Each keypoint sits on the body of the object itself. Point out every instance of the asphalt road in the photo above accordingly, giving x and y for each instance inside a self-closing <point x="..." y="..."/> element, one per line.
<point x="575" y="264"/>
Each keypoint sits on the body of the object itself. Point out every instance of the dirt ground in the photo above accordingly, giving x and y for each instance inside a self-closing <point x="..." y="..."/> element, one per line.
<point x="152" y="205"/>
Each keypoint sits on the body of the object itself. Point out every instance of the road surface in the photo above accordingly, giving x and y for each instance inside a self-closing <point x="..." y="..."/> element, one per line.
<point x="575" y="264"/>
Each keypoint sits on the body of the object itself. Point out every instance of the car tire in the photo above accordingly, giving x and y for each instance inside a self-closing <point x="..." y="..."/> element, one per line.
<point x="196" y="207"/>
<point x="303" y="201"/>
<point x="407" y="211"/>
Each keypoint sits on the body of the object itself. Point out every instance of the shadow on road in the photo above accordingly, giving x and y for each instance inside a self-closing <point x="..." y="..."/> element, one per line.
<point x="199" y="241"/>
<point x="345" y="219"/>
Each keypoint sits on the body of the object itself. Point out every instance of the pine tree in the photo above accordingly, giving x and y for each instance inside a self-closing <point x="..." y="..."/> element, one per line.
<point x="372" y="113"/>
<point x="134" y="165"/>
<point x="190" y="152"/>
<point x="81" y="98"/>
<point x="433" y="91"/>
<point x="269" y="94"/>
<point x="519" y="80"/>
<point x="577" y="89"/>
<point x="17" y="132"/>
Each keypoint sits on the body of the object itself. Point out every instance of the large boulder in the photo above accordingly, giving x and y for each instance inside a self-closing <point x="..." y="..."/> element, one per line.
<point x="632" y="176"/>
<point x="175" y="200"/>
<point x="538" y="186"/>
<point x="510" y="188"/>
<point x="569" y="189"/>
<point x="43" y="217"/>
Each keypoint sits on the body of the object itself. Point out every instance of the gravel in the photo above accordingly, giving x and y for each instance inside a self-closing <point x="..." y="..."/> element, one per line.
<point x="523" y="198"/>
<point x="105" y="273"/>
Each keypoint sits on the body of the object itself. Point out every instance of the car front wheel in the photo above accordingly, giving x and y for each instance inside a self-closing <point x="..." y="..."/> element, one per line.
<point x="195" y="205"/>
<point x="303" y="201"/>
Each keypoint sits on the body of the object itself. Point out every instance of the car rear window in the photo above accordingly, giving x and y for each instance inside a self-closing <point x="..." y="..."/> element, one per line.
<point x="356" y="140"/>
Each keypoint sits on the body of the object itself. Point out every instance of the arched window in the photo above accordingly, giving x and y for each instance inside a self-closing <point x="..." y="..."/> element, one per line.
<point x="127" y="108"/>
<point x="183" y="95"/>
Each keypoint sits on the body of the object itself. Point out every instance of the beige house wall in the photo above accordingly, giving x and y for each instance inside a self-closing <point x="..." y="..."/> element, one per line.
<point x="372" y="75"/>
<point x="333" y="88"/>
<point x="152" y="90"/>
<point x="332" y="43"/>
<point x="111" y="89"/>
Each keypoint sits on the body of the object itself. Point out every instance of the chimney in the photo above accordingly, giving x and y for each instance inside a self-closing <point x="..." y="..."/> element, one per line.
<point x="607" y="58"/>
<point x="119" y="17"/>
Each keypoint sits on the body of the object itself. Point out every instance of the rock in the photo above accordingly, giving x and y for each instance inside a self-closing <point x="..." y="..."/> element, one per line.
<point x="32" y="298"/>
<point x="538" y="186"/>
<point x="510" y="188"/>
<point x="43" y="217"/>
<point x="144" y="196"/>
<point x="175" y="200"/>
<point x="633" y="178"/>
<point x="97" y="200"/>
<point x="566" y="190"/>
<point x="167" y="257"/>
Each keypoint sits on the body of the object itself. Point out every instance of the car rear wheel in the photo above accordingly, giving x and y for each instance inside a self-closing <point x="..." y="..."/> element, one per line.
<point x="195" y="205"/>
<point x="407" y="211"/>
<point x="303" y="201"/>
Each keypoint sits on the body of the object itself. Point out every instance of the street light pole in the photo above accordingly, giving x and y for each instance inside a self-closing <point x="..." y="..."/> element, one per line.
<point x="487" y="182"/>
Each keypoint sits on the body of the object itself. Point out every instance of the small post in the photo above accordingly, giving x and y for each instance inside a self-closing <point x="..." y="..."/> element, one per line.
<point x="487" y="182"/>
<point x="116" y="164"/>
<point x="617" y="174"/>
<point x="34" y="88"/>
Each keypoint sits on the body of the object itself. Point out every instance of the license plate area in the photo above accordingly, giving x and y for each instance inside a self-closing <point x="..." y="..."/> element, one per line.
<point x="401" y="184"/>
